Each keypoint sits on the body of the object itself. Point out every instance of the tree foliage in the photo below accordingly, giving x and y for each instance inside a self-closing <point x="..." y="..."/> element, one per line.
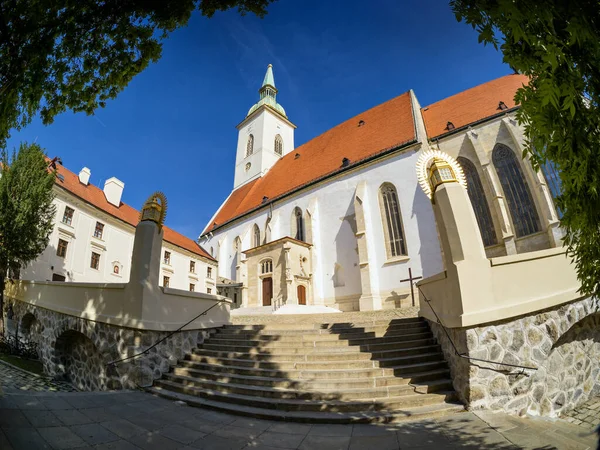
<point x="557" y="44"/>
<point x="26" y="208"/>
<point x="78" y="54"/>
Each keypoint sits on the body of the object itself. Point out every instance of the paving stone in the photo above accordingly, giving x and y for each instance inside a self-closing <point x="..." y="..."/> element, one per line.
<point x="312" y="442"/>
<point x="94" y="433"/>
<point x="123" y="428"/>
<point x="56" y="403"/>
<point x="61" y="437"/>
<point x="200" y="425"/>
<point x="238" y="432"/>
<point x="212" y="442"/>
<point x="290" y="428"/>
<point x="422" y="438"/>
<point x="281" y="440"/>
<point x="255" y="424"/>
<point x="330" y="430"/>
<point x="25" y="438"/>
<point x="98" y="414"/>
<point x="13" y="418"/>
<point x="16" y="380"/>
<point x="71" y="417"/>
<point x="181" y="434"/>
<point x="372" y="430"/>
<point x="28" y="402"/>
<point x="154" y="441"/>
<point x="116" y="445"/>
<point x="4" y="444"/>
<point x="149" y="422"/>
<point x="372" y="442"/>
<point x="42" y="418"/>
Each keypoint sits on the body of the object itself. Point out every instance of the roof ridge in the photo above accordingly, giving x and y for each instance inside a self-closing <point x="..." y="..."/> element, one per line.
<point x="470" y="89"/>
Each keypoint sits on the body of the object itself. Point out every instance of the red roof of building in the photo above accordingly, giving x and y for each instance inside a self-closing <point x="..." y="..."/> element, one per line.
<point x="471" y="105"/>
<point x="381" y="128"/>
<point x="95" y="197"/>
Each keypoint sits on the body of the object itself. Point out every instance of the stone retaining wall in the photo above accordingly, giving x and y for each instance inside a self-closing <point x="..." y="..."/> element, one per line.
<point x="563" y="343"/>
<point x="78" y="350"/>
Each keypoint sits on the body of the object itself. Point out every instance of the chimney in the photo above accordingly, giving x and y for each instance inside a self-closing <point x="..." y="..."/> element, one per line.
<point x="84" y="176"/>
<point x="113" y="190"/>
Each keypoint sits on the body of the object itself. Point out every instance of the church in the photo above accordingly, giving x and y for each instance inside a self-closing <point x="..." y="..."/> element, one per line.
<point x="340" y="221"/>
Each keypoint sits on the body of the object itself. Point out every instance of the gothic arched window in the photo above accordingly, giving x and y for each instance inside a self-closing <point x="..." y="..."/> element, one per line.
<point x="256" y="235"/>
<point x="297" y="224"/>
<point x="553" y="181"/>
<point x="278" y="145"/>
<point x="479" y="202"/>
<point x="250" y="145"/>
<point x="395" y="244"/>
<point x="518" y="197"/>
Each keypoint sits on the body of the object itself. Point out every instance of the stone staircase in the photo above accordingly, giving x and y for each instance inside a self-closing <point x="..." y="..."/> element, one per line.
<point x="376" y="371"/>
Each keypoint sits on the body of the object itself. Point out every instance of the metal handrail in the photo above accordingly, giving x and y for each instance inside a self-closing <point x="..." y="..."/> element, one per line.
<point x="463" y="355"/>
<point x="145" y="352"/>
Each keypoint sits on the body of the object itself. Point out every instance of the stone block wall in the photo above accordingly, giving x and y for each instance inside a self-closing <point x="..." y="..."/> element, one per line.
<point x="563" y="343"/>
<point x="79" y="350"/>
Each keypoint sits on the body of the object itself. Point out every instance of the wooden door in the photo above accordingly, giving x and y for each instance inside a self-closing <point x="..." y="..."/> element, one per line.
<point x="301" y="295"/>
<point x="267" y="291"/>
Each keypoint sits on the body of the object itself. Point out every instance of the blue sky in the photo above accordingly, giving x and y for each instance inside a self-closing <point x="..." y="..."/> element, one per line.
<point x="173" y="128"/>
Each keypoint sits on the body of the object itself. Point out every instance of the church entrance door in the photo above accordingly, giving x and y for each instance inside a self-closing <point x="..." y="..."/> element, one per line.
<point x="267" y="291"/>
<point x="301" y="295"/>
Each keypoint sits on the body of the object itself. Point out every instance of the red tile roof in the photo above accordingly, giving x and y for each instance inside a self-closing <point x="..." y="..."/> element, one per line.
<point x="95" y="197"/>
<point x="471" y="105"/>
<point x="383" y="127"/>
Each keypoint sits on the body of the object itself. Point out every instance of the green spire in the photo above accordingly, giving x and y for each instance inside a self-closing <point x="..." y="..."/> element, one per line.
<point x="269" y="77"/>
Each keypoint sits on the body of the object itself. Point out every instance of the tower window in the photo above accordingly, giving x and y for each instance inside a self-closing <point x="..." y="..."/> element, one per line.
<point x="250" y="145"/>
<point x="278" y="145"/>
<point x="297" y="224"/>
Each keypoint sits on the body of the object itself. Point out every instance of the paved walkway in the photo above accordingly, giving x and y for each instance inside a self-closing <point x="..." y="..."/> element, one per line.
<point x="13" y="379"/>
<point x="132" y="420"/>
<point x="586" y="415"/>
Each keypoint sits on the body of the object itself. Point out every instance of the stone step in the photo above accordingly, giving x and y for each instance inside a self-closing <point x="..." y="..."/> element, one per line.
<point x="416" y="413"/>
<point x="390" y="403"/>
<point x="332" y="374"/>
<point x="334" y="355"/>
<point x="350" y="331"/>
<point x="317" y="384"/>
<point x="349" y="363"/>
<point x="299" y="325"/>
<point x="295" y="392"/>
<point x="245" y="346"/>
<point x="309" y="341"/>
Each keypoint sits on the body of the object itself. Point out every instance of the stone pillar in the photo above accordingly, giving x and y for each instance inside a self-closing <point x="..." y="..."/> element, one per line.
<point x="467" y="267"/>
<point x="289" y="296"/>
<point x="498" y="203"/>
<point x="370" y="299"/>
<point x="142" y="291"/>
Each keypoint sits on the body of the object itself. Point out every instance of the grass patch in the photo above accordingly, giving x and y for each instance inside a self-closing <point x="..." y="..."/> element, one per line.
<point x="30" y="365"/>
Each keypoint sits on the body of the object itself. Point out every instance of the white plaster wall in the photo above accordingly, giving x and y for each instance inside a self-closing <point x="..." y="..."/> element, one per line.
<point x="334" y="227"/>
<point x="115" y="247"/>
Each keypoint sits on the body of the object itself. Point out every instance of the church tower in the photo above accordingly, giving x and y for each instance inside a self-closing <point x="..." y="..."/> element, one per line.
<point x="264" y="136"/>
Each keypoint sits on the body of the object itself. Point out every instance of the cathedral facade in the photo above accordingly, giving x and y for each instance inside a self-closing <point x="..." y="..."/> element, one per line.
<point x="340" y="221"/>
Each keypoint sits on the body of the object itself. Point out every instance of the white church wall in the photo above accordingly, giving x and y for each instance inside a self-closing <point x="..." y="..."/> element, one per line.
<point x="336" y="272"/>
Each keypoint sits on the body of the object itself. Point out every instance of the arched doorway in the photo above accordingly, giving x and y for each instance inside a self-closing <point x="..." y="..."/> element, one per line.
<point x="267" y="291"/>
<point x="301" y="295"/>
<point x="80" y="362"/>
